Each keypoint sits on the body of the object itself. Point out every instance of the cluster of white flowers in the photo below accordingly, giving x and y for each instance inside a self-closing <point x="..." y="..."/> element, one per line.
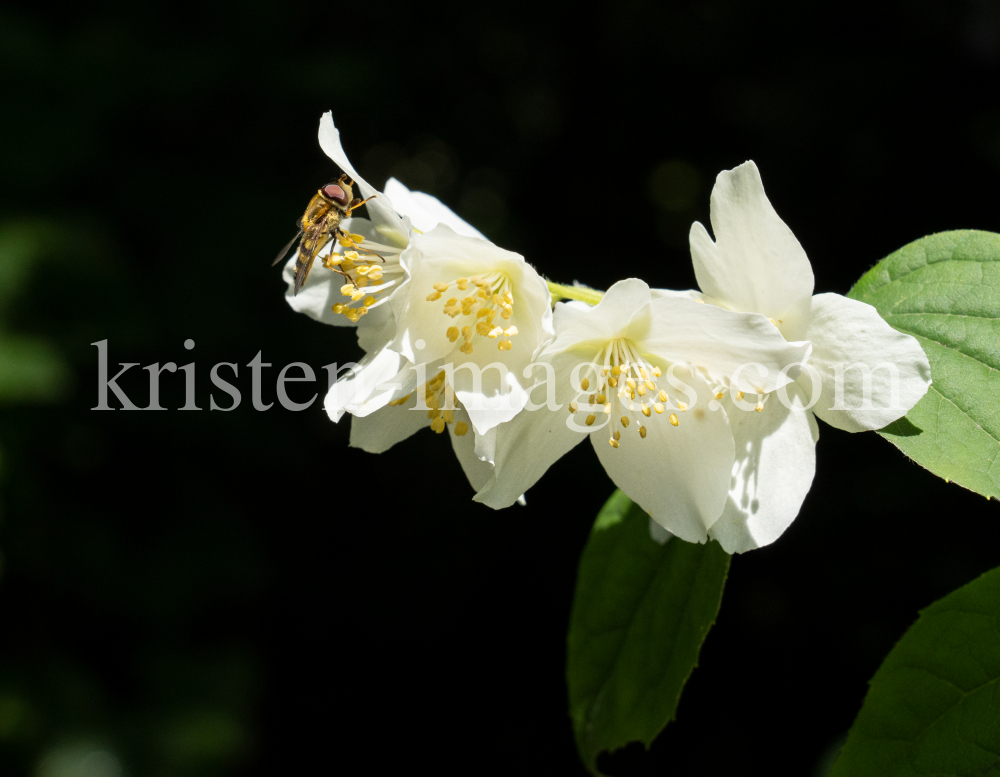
<point x="699" y="404"/>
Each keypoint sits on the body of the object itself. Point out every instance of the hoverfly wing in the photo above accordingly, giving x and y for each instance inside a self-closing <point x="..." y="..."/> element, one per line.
<point x="310" y="247"/>
<point x="287" y="248"/>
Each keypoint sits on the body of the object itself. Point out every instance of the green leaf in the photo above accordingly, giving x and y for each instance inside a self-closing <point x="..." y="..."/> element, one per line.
<point x="944" y="290"/>
<point x="640" y="614"/>
<point x="933" y="707"/>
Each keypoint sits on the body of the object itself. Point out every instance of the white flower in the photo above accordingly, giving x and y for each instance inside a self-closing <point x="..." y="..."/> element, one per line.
<point x="469" y="308"/>
<point x="642" y="377"/>
<point x="330" y="297"/>
<point x="756" y="265"/>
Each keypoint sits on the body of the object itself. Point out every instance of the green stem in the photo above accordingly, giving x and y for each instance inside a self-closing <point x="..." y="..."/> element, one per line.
<point x="582" y="293"/>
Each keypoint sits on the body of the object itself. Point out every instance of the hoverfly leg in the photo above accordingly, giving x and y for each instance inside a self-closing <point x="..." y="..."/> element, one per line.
<point x="358" y="203"/>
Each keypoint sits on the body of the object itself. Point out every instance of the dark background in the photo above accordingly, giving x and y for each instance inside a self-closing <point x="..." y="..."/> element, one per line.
<point x="176" y="595"/>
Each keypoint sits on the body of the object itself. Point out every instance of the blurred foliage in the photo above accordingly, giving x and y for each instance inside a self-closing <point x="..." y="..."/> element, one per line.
<point x="231" y="593"/>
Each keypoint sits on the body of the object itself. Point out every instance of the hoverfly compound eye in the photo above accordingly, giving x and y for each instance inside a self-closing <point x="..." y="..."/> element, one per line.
<point x="335" y="193"/>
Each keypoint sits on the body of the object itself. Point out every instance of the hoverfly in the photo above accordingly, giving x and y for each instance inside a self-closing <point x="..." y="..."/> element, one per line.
<point x="320" y="224"/>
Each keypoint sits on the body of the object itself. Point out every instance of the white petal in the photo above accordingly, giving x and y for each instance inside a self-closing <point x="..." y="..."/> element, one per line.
<point x="608" y="319"/>
<point x="425" y="211"/>
<point x="531" y="442"/>
<point x="775" y="464"/>
<point x="755" y="264"/>
<point x="682" y="330"/>
<point x="689" y="294"/>
<point x="478" y="472"/>
<point x="366" y="383"/>
<point x="658" y="534"/>
<point x="321" y="291"/>
<point x="489" y="398"/>
<point x="678" y="475"/>
<point x="846" y="332"/>
<point x="382" y="429"/>
<point x="383" y="215"/>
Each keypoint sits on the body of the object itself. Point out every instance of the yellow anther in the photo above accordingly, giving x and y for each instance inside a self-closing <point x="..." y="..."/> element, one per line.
<point x="438" y="425"/>
<point x="657" y="372"/>
<point x="339" y="307"/>
<point x="650" y="385"/>
<point x="759" y="406"/>
<point x="510" y="331"/>
<point x="616" y="370"/>
<point x="467" y="333"/>
<point x="592" y="399"/>
<point x="508" y="298"/>
<point x="355" y="238"/>
<point x="496" y="332"/>
<point x="362" y="311"/>
<point x="352" y="315"/>
<point x="482" y="328"/>
<point x="614" y="442"/>
<point x="358" y="294"/>
<point x="585" y="384"/>
<point x="461" y="428"/>
<point x="618" y="435"/>
<point x="572" y="407"/>
<point x="591" y="419"/>
<point x="362" y="282"/>
<point x="482" y="312"/>
<point x="682" y="406"/>
<point x="600" y="399"/>
<point x="369" y="301"/>
<point x="625" y="421"/>
<point x="739" y="395"/>
<point x="506" y="314"/>
<point x="462" y="283"/>
<point x="645" y="410"/>
<point x="467" y="348"/>
<point x="363" y="270"/>
<point x="663" y="395"/>
<point x="719" y="395"/>
<point x="448" y="415"/>
<point x="347" y="289"/>
<point x="613" y="382"/>
<point x="468" y="302"/>
<point x="441" y="286"/>
<point x="505" y="345"/>
<point x="483" y="293"/>
<point x="658" y="408"/>
<point x="642" y="432"/>
<point x="607" y="409"/>
<point x="630" y="383"/>
<point x="434" y="412"/>
<point x="452" y="333"/>
<point x="674" y="420"/>
<point x="642" y="372"/>
<point x="375" y="273"/>
<point x="434" y="296"/>
<point x="642" y="389"/>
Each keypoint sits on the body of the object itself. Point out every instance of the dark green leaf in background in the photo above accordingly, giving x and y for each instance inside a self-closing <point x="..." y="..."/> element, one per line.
<point x="640" y="614"/>
<point x="944" y="290"/>
<point x="933" y="707"/>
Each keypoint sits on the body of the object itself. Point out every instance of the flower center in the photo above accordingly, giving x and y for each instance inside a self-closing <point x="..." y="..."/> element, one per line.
<point x="626" y="387"/>
<point x="368" y="277"/>
<point x="489" y="295"/>
<point x="439" y="397"/>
